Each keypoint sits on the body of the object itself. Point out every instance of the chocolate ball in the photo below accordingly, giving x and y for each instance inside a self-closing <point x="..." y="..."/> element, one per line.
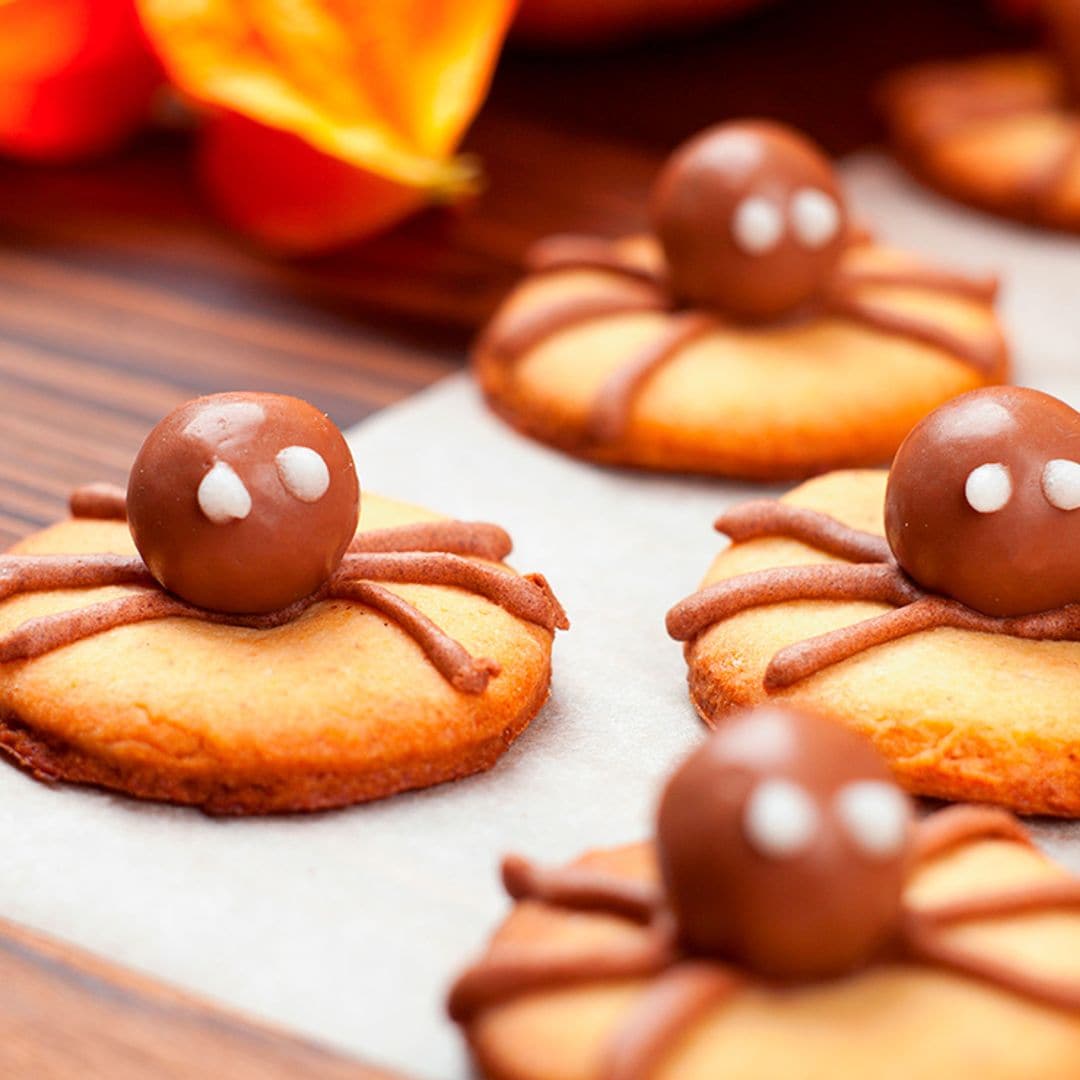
<point x="783" y="846"/>
<point x="983" y="502"/>
<point x="243" y="502"/>
<point x="751" y="219"/>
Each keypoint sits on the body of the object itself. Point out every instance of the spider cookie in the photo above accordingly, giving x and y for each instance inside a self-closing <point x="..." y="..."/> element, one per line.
<point x="755" y="333"/>
<point x="935" y="608"/>
<point x="789" y="919"/>
<point x="223" y="635"/>
<point x="999" y="132"/>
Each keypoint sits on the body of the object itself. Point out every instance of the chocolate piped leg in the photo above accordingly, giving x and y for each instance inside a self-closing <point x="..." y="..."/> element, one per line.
<point x="568" y="252"/>
<point x="672" y="1004"/>
<point x="464" y="672"/>
<point x="805" y="658"/>
<point x="521" y="596"/>
<point x="456" y="537"/>
<point x="985" y="356"/>
<point x="767" y="517"/>
<point x="49" y="632"/>
<point x="1063" y="894"/>
<point x="581" y="889"/>
<point x="41" y="573"/>
<point x="611" y="412"/>
<point x="882" y="583"/>
<point x="514" y="335"/>
<point x="948" y="829"/>
<point x="106" y="502"/>
<point x="926" y="944"/>
<point x="984" y="288"/>
<point x="511" y="972"/>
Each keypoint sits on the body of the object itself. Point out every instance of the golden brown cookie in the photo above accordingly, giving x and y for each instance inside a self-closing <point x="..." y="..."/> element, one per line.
<point x="1001" y="133"/>
<point x="788" y="920"/>
<point x="757" y="334"/>
<point x="954" y="644"/>
<point x="418" y="657"/>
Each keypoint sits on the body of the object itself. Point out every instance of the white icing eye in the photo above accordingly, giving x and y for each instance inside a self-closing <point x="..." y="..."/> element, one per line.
<point x="815" y="217"/>
<point x="1061" y="483"/>
<point x="875" y="815"/>
<point x="780" y="818"/>
<point x="757" y="225"/>
<point x="988" y="488"/>
<point x="303" y="472"/>
<point x="222" y="495"/>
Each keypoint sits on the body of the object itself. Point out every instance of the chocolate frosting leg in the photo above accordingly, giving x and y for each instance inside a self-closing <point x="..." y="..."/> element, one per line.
<point x="457" y="537"/>
<point x="671" y="1005"/>
<point x="581" y="889"/>
<point x="954" y="826"/>
<point x="42" y="573"/>
<point x="564" y="252"/>
<point x="464" y="672"/>
<point x="984" y="288"/>
<point x="105" y="501"/>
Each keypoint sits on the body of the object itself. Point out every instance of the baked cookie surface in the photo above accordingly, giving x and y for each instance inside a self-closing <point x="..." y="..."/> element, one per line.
<point x="393" y="656"/>
<point x="792" y="359"/>
<point x="790" y="919"/>
<point x="1001" y="133"/>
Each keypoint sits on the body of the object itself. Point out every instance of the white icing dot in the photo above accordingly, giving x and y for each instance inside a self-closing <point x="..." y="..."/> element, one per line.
<point x="1061" y="483"/>
<point x="815" y="217"/>
<point x="222" y="495"/>
<point x="988" y="488"/>
<point x="757" y="225"/>
<point x="876" y="815"/>
<point x="780" y="818"/>
<point x="303" y="472"/>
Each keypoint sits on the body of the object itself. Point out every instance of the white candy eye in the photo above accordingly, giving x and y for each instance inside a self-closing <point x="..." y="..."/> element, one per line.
<point x="303" y="472"/>
<point x="815" y="217"/>
<point x="780" y="819"/>
<point x="757" y="225"/>
<point x="222" y="495"/>
<point x="1061" y="483"/>
<point x="988" y="488"/>
<point x="875" y="815"/>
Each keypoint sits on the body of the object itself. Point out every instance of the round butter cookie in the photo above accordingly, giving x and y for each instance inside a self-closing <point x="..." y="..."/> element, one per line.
<point x="223" y="635"/>
<point x="755" y="333"/>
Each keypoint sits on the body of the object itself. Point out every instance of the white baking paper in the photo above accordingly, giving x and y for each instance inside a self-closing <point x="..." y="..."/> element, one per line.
<point x="347" y="926"/>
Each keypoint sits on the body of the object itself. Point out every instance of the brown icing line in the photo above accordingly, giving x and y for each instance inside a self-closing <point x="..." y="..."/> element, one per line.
<point x="984" y="356"/>
<point x="1037" y="896"/>
<point x="955" y="826"/>
<point x="518" y="595"/>
<point x="106" y="502"/>
<point x="512" y="337"/>
<point x="511" y="972"/>
<point x="580" y="889"/>
<point x="455" y="537"/>
<point x="610" y="411"/>
<point x="674" y="1002"/>
<point x="464" y="672"/>
<point x="805" y="658"/>
<point x="45" y="634"/>
<point x="770" y="518"/>
<point x="44" y="573"/>
<point x="984" y="289"/>
<point x="566" y="252"/>
<point x="820" y="581"/>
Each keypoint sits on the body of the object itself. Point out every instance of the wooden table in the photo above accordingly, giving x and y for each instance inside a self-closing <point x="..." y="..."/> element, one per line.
<point x="119" y="298"/>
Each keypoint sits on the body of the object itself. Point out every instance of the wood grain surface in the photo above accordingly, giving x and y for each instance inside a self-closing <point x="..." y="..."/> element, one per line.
<point x="120" y="297"/>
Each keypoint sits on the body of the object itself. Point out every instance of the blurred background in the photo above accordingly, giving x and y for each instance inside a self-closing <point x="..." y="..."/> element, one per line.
<point x="196" y="198"/>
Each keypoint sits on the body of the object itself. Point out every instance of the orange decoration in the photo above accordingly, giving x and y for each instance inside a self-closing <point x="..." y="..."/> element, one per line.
<point x="76" y="77"/>
<point x="331" y="119"/>
<point x="596" y="22"/>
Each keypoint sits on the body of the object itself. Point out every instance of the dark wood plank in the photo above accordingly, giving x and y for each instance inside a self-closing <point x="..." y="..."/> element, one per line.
<point x="120" y="297"/>
<point x="68" y="1014"/>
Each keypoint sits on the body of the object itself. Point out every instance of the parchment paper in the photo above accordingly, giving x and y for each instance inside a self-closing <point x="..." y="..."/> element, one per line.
<point x="348" y="926"/>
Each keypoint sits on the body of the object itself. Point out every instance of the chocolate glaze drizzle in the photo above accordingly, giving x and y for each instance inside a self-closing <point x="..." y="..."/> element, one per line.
<point x="636" y="288"/>
<point x="423" y="553"/>
<point x="684" y="987"/>
<point x="875" y="577"/>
